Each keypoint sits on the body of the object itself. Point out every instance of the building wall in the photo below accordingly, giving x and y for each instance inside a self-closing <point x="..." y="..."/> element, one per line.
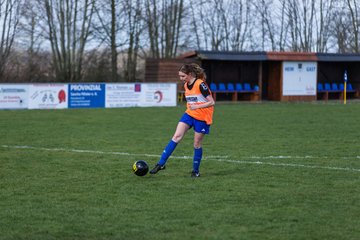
<point x="274" y="85"/>
<point x="266" y="73"/>
<point x="163" y="70"/>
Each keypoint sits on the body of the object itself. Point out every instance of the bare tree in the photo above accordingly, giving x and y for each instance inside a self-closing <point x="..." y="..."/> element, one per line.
<point x="121" y="32"/>
<point x="152" y="18"/>
<point x="354" y="10"/>
<point x="341" y="34"/>
<point x="211" y="30"/>
<point x="113" y="42"/>
<point x="283" y="26"/>
<point x="194" y="26"/>
<point x="341" y="28"/>
<point x="97" y="65"/>
<point x="164" y="22"/>
<point x="35" y="63"/>
<point x="221" y="24"/>
<point x="68" y="28"/>
<point x="9" y="21"/>
<point x="323" y="19"/>
<point x="161" y="29"/>
<point x="212" y="13"/>
<point x="110" y="25"/>
<point x="237" y="17"/>
<point x="300" y="15"/>
<point x="198" y="25"/>
<point x="135" y="27"/>
<point x="267" y="22"/>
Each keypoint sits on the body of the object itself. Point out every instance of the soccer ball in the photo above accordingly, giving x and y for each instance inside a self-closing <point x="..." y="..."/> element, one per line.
<point x="140" y="168"/>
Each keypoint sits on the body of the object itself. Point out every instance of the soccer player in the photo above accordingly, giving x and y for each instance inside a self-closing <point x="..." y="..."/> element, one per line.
<point x="198" y="115"/>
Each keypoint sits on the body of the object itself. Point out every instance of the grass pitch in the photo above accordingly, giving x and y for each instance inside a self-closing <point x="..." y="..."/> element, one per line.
<point x="270" y="171"/>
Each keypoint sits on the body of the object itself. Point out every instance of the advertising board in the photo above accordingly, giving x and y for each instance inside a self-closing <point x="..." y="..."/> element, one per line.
<point x="299" y="78"/>
<point x="140" y="95"/>
<point x="48" y="96"/>
<point x="87" y="95"/>
<point x="14" y="96"/>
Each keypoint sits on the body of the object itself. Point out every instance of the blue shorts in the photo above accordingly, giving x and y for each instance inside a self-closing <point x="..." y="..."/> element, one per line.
<point x="199" y="126"/>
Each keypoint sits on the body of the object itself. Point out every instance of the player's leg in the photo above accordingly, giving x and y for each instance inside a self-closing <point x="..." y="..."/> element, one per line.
<point x="180" y="131"/>
<point x="201" y="129"/>
<point x="198" y="139"/>
<point x="179" y="134"/>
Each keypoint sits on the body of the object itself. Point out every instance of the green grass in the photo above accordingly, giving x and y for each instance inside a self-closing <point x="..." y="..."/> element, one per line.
<point x="270" y="171"/>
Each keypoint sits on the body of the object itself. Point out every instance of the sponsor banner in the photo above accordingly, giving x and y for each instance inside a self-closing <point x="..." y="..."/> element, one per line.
<point x="48" y="96"/>
<point x="87" y="95"/>
<point x="299" y="78"/>
<point x="159" y="94"/>
<point x="140" y="95"/>
<point x="123" y="95"/>
<point x="14" y="96"/>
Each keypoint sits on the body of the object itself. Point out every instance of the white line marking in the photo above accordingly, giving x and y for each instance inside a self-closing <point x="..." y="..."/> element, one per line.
<point x="211" y="158"/>
<point x="102" y="152"/>
<point x="301" y="157"/>
<point x="291" y="165"/>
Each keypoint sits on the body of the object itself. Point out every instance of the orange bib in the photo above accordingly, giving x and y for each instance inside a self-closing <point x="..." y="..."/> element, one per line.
<point x="194" y="96"/>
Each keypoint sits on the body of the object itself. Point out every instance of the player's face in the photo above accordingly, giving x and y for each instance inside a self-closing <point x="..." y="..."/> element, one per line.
<point x="185" y="77"/>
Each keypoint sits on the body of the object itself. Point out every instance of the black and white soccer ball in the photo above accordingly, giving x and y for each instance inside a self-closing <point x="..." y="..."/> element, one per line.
<point x="140" y="168"/>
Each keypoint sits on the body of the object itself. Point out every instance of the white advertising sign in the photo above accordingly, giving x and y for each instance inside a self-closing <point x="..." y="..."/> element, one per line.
<point x="14" y="96"/>
<point x="299" y="78"/>
<point x="159" y="94"/>
<point x="140" y="95"/>
<point x="122" y="95"/>
<point x="48" y="96"/>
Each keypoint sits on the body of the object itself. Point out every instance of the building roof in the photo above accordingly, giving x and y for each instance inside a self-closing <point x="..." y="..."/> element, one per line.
<point x="227" y="55"/>
<point x="291" y="56"/>
<point x="337" y="57"/>
<point x="270" y="56"/>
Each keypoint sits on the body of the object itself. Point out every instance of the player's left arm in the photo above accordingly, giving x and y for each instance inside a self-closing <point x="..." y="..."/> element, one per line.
<point x="206" y="93"/>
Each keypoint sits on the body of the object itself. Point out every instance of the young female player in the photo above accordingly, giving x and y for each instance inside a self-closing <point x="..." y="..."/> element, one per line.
<point x="198" y="115"/>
